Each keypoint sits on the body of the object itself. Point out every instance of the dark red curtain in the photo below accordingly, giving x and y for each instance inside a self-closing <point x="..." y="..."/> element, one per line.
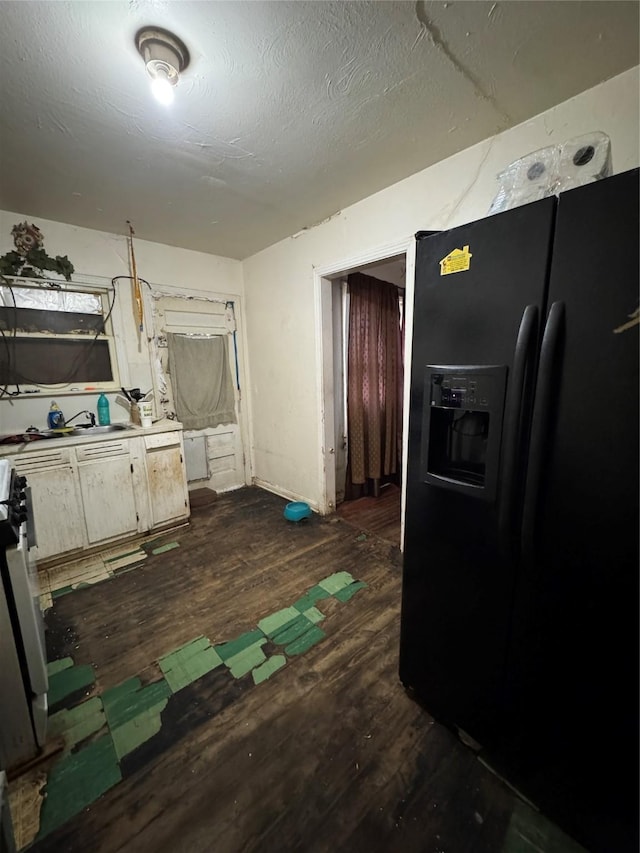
<point x="374" y="384"/>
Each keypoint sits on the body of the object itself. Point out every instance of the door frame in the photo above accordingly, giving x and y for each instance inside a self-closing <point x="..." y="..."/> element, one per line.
<point x="190" y="296"/>
<point x="322" y="287"/>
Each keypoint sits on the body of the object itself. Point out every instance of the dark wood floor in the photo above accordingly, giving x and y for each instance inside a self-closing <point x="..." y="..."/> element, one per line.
<point x="329" y="754"/>
<point x="379" y="515"/>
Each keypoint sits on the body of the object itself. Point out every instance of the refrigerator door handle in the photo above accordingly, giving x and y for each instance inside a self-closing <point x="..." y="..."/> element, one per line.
<point x="521" y="377"/>
<point x="542" y="411"/>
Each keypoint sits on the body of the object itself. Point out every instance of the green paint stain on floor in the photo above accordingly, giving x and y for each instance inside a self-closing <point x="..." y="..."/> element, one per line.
<point x="188" y="650"/>
<point x="348" y="592"/>
<point x="234" y="647"/>
<point x="55" y="666"/>
<point x="247" y="659"/>
<point x="133" y="712"/>
<point x="130" y="699"/>
<point x="64" y="590"/>
<point x="78" y="723"/>
<point x="276" y="621"/>
<point x="292" y="631"/>
<point x="189" y="662"/>
<point x="303" y="643"/>
<point x="273" y="664"/>
<point x="150" y="544"/>
<point x="336" y="581"/>
<point x="315" y="594"/>
<point x="136" y="551"/>
<point x="136" y="731"/>
<point x="314" y="615"/>
<point x="76" y="781"/>
<point x="69" y="680"/>
<point x="162" y="549"/>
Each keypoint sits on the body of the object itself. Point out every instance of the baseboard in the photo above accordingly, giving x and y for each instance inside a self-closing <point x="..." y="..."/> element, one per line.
<point x="283" y="493"/>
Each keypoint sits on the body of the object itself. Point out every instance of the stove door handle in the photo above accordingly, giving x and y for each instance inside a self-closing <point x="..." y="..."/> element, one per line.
<point x="32" y="538"/>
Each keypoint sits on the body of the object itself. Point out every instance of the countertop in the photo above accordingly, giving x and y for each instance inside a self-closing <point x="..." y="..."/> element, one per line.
<point x="162" y="425"/>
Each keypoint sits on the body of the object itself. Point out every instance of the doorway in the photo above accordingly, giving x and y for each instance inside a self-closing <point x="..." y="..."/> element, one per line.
<point x="214" y="455"/>
<point x="394" y="264"/>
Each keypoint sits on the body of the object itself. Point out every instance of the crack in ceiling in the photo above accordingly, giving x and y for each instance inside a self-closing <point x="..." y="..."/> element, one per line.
<point x="429" y="29"/>
<point x="288" y="111"/>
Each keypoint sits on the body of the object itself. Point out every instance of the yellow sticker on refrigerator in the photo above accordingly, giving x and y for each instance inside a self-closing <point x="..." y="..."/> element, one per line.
<point x="459" y="260"/>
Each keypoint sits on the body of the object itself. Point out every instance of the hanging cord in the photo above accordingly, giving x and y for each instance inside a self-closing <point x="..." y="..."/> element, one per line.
<point x="137" y="295"/>
<point x="131" y="278"/>
<point x="103" y="330"/>
<point x="82" y="354"/>
<point x="3" y="390"/>
<point x="235" y="341"/>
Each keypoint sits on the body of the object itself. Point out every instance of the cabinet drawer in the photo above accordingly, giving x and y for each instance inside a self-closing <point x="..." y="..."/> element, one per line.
<point x="43" y="459"/>
<point x="103" y="450"/>
<point x="162" y="439"/>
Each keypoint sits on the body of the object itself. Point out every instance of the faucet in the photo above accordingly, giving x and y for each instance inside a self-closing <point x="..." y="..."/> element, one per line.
<point x="90" y="416"/>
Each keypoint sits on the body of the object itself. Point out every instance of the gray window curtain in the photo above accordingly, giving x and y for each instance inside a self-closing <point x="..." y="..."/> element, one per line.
<point x="201" y="381"/>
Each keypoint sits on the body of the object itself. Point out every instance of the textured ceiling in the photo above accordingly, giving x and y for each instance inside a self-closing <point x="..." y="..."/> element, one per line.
<point x="288" y="112"/>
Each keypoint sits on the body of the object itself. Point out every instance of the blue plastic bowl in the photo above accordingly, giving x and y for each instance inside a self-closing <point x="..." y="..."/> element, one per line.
<point x="297" y="510"/>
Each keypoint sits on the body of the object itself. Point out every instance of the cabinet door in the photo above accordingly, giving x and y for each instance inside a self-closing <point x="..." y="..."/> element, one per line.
<point x="106" y="485"/>
<point x="56" y="504"/>
<point x="167" y="478"/>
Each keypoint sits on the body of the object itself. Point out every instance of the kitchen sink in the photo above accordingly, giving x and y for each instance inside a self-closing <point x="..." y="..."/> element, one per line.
<point x="66" y="432"/>
<point x="98" y="430"/>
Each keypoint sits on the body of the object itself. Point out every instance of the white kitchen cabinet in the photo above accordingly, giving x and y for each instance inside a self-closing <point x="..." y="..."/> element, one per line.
<point x="86" y="493"/>
<point x="55" y="496"/>
<point x="166" y="478"/>
<point x="106" y="484"/>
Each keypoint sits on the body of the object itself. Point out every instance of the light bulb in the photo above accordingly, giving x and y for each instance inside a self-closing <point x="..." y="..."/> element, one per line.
<point x="162" y="90"/>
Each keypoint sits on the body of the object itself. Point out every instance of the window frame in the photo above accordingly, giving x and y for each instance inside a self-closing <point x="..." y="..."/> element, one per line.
<point x="97" y="286"/>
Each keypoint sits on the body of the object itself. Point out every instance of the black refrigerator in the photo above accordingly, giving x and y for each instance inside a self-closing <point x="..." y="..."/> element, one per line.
<point x="519" y="624"/>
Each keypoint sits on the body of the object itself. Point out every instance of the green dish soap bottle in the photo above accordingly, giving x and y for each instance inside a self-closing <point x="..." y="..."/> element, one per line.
<point x="103" y="411"/>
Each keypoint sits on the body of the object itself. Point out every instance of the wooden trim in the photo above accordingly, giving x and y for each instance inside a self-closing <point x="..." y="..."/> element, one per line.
<point x="322" y="276"/>
<point x="284" y="493"/>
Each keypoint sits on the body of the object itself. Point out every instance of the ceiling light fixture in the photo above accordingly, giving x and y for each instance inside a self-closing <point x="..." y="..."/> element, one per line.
<point x="165" y="56"/>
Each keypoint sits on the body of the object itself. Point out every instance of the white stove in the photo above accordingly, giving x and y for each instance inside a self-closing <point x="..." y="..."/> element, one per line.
<point x="23" y="667"/>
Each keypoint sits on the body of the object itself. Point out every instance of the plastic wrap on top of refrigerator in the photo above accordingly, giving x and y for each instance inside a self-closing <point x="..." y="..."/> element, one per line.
<point x="552" y="170"/>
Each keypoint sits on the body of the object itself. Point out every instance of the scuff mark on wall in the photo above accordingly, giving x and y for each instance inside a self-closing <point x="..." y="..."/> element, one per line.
<point x="470" y="185"/>
<point x="430" y="31"/>
<point x="116" y="243"/>
<point x="315" y="225"/>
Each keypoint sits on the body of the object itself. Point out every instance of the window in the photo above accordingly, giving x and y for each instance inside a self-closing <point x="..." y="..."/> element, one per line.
<point x="56" y="335"/>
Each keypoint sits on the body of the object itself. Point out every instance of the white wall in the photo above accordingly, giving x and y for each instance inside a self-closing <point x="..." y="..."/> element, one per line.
<point x="279" y="280"/>
<point x="97" y="253"/>
<point x="276" y="299"/>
